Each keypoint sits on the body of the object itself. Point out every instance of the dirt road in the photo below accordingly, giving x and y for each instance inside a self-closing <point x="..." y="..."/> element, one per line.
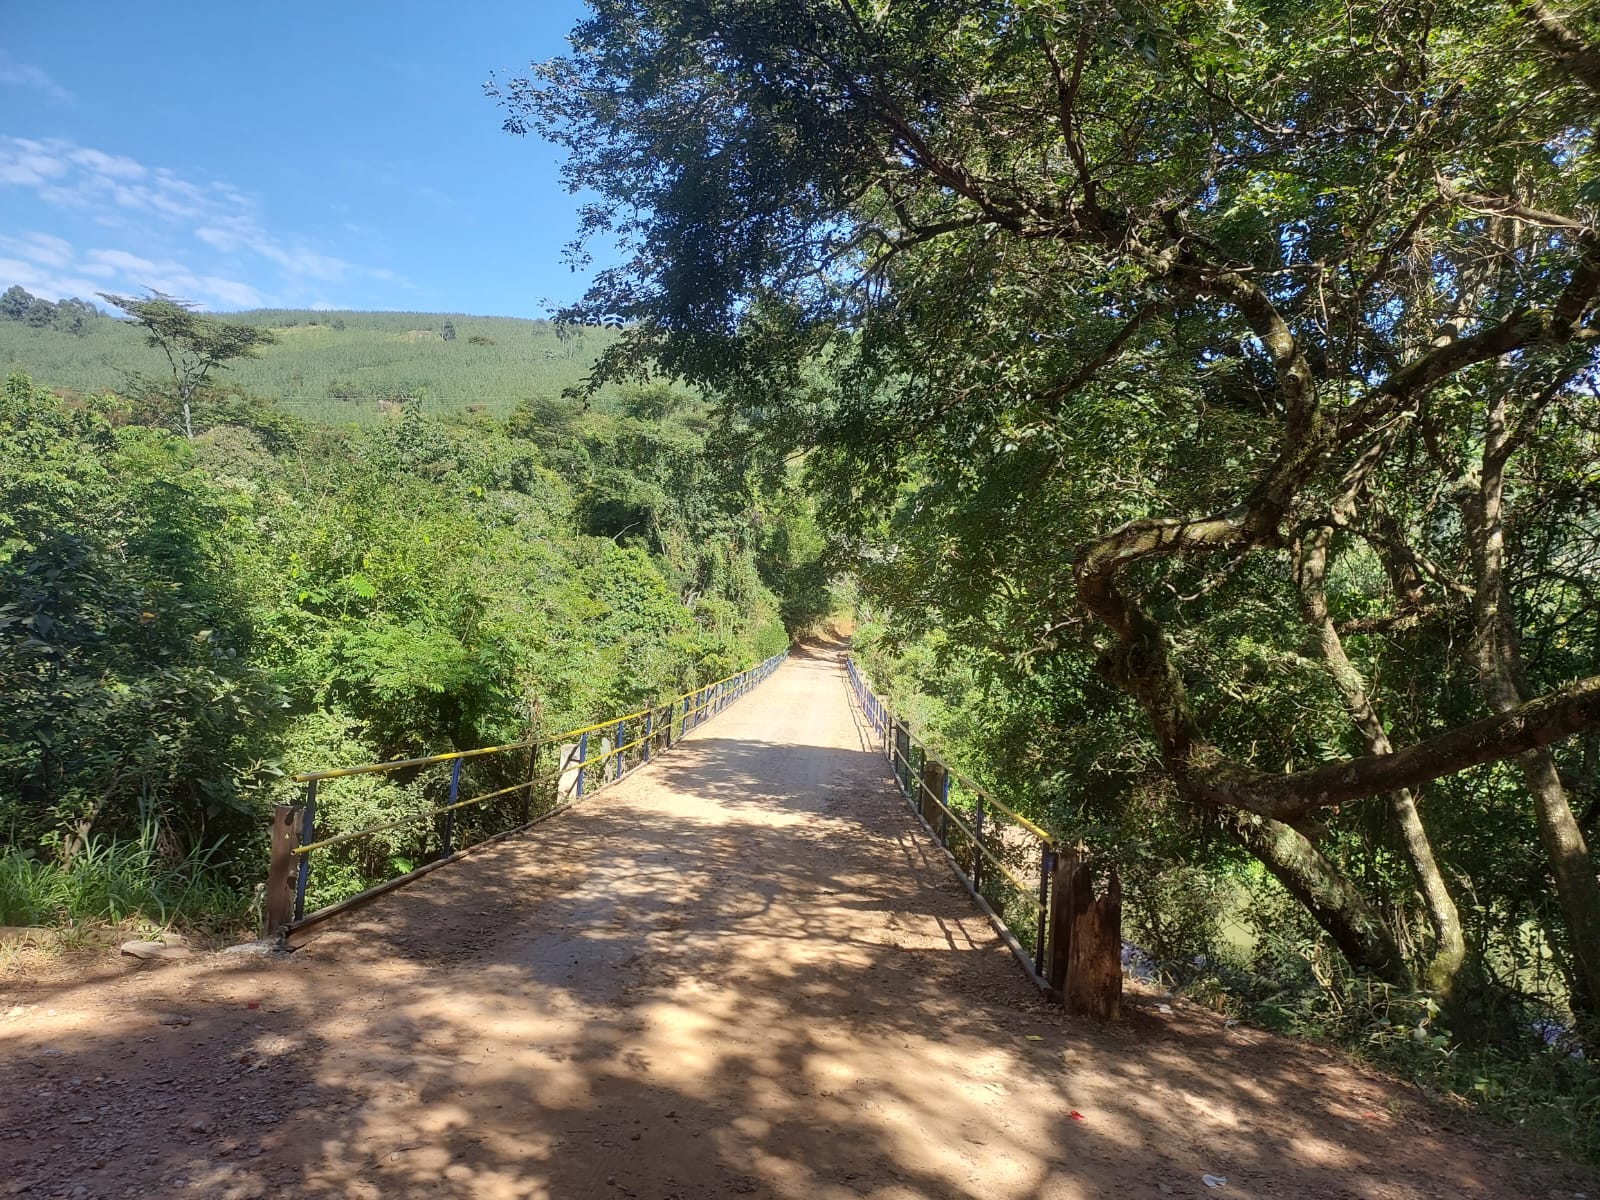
<point x="741" y="971"/>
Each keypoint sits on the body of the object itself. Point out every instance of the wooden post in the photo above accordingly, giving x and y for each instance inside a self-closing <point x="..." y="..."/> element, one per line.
<point x="902" y="756"/>
<point x="934" y="775"/>
<point x="1093" y="983"/>
<point x="279" y="900"/>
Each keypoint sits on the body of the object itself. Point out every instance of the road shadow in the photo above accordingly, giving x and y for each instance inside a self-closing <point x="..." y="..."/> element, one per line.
<point x="754" y="976"/>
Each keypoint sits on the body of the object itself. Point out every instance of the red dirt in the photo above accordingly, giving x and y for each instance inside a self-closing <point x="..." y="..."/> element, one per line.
<point x="744" y="970"/>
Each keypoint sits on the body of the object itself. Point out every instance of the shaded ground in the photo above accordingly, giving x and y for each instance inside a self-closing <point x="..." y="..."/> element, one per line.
<point x="742" y="971"/>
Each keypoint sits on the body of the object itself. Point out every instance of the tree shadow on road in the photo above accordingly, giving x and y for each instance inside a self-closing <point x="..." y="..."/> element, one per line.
<point x="775" y="990"/>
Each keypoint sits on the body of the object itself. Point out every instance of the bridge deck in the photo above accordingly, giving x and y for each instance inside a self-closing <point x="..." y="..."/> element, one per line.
<point x="743" y="970"/>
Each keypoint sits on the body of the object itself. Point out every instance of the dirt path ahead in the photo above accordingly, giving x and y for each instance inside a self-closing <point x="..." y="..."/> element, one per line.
<point x="743" y="971"/>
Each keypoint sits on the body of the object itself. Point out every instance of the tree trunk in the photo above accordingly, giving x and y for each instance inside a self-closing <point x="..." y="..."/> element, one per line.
<point x="1498" y="665"/>
<point x="1442" y="970"/>
<point x="1327" y="895"/>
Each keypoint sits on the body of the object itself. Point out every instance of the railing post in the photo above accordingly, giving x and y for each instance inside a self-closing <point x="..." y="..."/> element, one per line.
<point x="278" y="903"/>
<point x="672" y="711"/>
<point x="533" y="778"/>
<point x="944" y="812"/>
<point x="901" y="758"/>
<point x="308" y="819"/>
<point x="450" y="813"/>
<point x="977" y="847"/>
<point x="622" y="735"/>
<point x="1064" y="868"/>
<point x="935" y="778"/>
<point x="649" y="732"/>
<point x="1047" y="862"/>
<point x="583" y="757"/>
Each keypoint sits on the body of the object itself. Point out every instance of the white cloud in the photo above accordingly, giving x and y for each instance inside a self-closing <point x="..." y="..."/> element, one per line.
<point x="171" y="277"/>
<point x="51" y="267"/>
<point x="41" y="248"/>
<point x="113" y="262"/>
<point x="26" y="75"/>
<point x="112" y="165"/>
<point x="297" y="261"/>
<point x="26" y="163"/>
<point x="229" y="291"/>
<point x="67" y="175"/>
<point x="43" y="282"/>
<point x="178" y="221"/>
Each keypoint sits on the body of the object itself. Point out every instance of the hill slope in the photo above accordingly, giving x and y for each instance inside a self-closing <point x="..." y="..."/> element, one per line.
<point x="337" y="366"/>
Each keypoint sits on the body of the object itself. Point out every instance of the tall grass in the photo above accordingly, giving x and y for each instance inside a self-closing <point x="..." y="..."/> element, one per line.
<point x="116" y="881"/>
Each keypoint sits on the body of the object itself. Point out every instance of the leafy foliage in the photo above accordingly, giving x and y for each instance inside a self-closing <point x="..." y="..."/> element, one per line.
<point x="187" y="622"/>
<point x="1205" y="398"/>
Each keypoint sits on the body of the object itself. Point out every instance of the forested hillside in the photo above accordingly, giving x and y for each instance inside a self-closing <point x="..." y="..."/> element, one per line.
<point x="186" y="622"/>
<point x="329" y="367"/>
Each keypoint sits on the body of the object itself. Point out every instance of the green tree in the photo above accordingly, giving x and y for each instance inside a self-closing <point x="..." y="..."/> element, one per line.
<point x="194" y="345"/>
<point x="41" y="314"/>
<point x="1121" y="332"/>
<point x="15" y="302"/>
<point x="127" y="697"/>
<point x="75" y="316"/>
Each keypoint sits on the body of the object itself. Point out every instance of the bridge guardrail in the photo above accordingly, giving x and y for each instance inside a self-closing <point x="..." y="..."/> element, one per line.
<point x="538" y="789"/>
<point x="1039" y="895"/>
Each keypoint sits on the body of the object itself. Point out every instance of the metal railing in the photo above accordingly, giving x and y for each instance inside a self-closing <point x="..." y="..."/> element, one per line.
<point x="1007" y="862"/>
<point x="506" y="788"/>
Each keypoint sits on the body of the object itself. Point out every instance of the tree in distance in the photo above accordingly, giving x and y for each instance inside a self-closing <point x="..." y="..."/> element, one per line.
<point x="194" y="345"/>
<point x="14" y="302"/>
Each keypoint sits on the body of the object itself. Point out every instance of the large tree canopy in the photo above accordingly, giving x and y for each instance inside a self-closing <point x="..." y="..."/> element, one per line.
<point x="1123" y="328"/>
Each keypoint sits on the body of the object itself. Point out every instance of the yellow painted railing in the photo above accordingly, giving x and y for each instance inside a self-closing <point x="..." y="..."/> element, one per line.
<point x="576" y="774"/>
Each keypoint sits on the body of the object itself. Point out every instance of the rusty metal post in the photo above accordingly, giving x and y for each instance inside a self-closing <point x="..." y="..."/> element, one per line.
<point x="900" y="757"/>
<point x="935" y="785"/>
<point x="278" y="903"/>
<point x="1041" y="932"/>
<point x="1059" y="936"/>
<point x="533" y="778"/>
<point x="977" y="846"/>
<point x="308" y="824"/>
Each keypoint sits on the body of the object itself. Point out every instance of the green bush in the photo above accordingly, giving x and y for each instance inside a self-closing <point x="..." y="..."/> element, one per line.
<point x="186" y="624"/>
<point x="116" y="881"/>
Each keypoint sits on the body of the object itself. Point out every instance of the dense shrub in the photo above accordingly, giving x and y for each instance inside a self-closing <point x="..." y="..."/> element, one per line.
<point x="185" y="624"/>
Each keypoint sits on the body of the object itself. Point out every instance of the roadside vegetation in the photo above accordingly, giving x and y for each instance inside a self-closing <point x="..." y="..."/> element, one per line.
<point x="187" y="621"/>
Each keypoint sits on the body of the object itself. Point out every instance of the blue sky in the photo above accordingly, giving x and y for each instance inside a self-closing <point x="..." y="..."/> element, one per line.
<point x="339" y="154"/>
